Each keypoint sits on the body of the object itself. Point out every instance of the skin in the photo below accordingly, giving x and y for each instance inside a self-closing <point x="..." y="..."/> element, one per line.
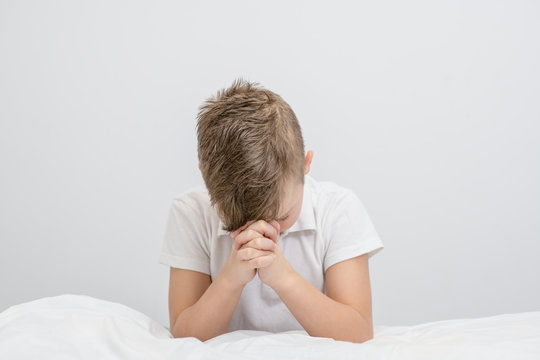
<point x="203" y="309"/>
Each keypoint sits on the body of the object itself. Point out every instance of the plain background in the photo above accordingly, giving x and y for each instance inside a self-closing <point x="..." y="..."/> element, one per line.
<point x="428" y="110"/>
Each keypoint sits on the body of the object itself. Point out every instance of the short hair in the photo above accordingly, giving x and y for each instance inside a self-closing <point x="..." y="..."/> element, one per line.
<point x="249" y="144"/>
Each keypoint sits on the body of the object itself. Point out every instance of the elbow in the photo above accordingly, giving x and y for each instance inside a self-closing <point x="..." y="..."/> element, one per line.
<point x="175" y="333"/>
<point x="354" y="338"/>
<point x="358" y="339"/>
<point x="362" y="335"/>
<point x="179" y="332"/>
<point x="362" y="339"/>
<point x="190" y="336"/>
<point x="365" y="333"/>
<point x="181" y="335"/>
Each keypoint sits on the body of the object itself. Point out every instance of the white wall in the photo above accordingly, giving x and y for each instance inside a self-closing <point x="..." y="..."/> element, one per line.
<point x="428" y="110"/>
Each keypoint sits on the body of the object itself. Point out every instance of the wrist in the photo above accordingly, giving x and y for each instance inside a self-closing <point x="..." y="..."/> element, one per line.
<point x="287" y="282"/>
<point x="227" y="284"/>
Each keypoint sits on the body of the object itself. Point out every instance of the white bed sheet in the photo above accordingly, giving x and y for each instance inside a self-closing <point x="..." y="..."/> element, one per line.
<point x="82" y="327"/>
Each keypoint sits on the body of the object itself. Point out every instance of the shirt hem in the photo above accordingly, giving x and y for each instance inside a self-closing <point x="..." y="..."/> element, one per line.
<point x="352" y="252"/>
<point x="183" y="263"/>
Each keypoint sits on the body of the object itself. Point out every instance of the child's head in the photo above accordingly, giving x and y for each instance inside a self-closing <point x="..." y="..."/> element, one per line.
<point x="251" y="155"/>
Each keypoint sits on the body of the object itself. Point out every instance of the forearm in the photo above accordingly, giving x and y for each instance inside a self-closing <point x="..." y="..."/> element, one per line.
<point x="211" y="314"/>
<point x="320" y="315"/>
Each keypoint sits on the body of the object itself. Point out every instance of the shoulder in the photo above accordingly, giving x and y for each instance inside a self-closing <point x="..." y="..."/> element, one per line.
<point x="193" y="206"/>
<point x="336" y="206"/>
<point x="188" y="237"/>
<point x="327" y="196"/>
<point x="195" y="198"/>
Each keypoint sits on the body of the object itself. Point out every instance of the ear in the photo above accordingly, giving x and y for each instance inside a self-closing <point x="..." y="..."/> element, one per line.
<point x="199" y="166"/>
<point x="309" y="157"/>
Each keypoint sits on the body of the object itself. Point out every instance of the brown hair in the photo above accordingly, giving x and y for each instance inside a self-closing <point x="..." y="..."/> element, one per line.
<point x="249" y="144"/>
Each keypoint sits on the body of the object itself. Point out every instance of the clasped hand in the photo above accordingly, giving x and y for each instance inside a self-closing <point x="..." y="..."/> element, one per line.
<point x="256" y="250"/>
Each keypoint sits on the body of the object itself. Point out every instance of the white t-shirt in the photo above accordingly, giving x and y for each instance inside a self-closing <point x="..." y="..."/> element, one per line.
<point x="332" y="226"/>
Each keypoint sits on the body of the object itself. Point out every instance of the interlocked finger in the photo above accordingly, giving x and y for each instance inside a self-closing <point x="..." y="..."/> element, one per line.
<point x="245" y="237"/>
<point x="260" y="243"/>
<point x="265" y="229"/>
<point x="262" y="261"/>
<point x="249" y="253"/>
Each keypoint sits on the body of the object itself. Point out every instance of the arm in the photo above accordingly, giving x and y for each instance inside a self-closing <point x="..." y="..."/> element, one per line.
<point x="203" y="309"/>
<point x="204" y="312"/>
<point x="345" y="314"/>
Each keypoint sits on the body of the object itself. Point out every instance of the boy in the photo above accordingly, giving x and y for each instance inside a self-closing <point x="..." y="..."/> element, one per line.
<point x="264" y="246"/>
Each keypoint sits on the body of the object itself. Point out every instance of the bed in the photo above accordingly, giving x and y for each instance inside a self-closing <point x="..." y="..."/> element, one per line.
<point x="83" y="327"/>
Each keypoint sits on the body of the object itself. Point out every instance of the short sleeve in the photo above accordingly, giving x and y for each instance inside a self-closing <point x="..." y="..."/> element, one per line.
<point x="185" y="241"/>
<point x="349" y="231"/>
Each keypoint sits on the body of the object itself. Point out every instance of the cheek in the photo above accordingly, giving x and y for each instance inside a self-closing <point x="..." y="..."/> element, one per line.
<point x="286" y="224"/>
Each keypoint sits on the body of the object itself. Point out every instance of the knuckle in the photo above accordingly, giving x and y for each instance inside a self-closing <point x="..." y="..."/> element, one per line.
<point x="266" y="243"/>
<point x="270" y="243"/>
<point x="238" y="243"/>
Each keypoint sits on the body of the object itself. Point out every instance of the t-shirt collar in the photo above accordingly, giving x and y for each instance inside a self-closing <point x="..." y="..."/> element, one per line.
<point x="306" y="219"/>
